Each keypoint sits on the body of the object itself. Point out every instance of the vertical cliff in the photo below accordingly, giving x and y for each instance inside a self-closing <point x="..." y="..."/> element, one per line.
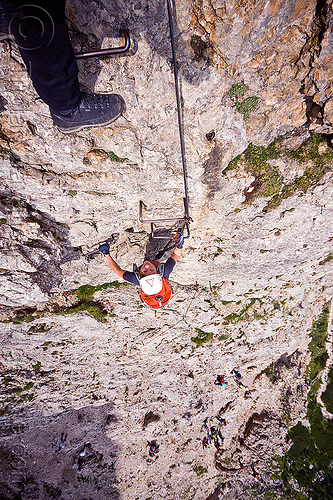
<point x="89" y="376"/>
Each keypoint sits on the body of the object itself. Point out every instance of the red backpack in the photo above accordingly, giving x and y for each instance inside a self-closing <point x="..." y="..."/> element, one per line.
<point x="161" y="298"/>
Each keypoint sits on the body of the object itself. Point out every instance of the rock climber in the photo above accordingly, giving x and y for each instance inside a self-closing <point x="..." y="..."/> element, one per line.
<point x="151" y="277"/>
<point x="254" y="472"/>
<point x="213" y="432"/>
<point x="238" y="378"/>
<point x="153" y="448"/>
<point x="220" y="380"/>
<point x="41" y="34"/>
<point x="219" y="433"/>
<point x="222" y="421"/>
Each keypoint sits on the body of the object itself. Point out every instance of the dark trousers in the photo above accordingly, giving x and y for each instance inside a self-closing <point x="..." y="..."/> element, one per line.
<point x="42" y="37"/>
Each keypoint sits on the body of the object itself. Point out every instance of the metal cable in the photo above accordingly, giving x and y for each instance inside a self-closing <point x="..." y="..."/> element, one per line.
<point x="181" y="135"/>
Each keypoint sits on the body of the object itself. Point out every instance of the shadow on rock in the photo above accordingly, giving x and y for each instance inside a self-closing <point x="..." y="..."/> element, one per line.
<point x="64" y="456"/>
<point x="89" y="23"/>
<point x="45" y="252"/>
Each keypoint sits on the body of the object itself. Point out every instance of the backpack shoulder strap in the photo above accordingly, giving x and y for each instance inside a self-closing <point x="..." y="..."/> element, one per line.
<point x="160" y="270"/>
<point x="136" y="272"/>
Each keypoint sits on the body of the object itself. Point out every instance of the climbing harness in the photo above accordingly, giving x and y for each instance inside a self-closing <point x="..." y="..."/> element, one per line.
<point x="186" y="219"/>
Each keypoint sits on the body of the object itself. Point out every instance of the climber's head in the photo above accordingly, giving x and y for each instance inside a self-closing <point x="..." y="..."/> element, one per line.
<point x="147" y="269"/>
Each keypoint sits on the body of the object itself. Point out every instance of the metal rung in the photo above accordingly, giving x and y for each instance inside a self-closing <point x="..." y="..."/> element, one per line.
<point x="184" y="219"/>
<point x="108" y="52"/>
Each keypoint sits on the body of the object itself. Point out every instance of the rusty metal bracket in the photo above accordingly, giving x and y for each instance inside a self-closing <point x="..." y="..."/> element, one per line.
<point x="185" y="220"/>
<point x="108" y="52"/>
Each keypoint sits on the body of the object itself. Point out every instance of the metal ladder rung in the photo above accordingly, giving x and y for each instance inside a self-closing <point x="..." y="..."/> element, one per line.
<point x="184" y="219"/>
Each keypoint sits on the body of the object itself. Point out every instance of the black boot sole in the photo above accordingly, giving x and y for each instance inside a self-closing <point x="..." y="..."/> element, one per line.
<point x="76" y="128"/>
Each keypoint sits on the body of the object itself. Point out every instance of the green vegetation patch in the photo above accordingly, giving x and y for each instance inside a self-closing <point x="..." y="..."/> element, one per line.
<point x="199" y="470"/>
<point x="237" y="90"/>
<point x="114" y="157"/>
<point x="85" y="292"/>
<point x="36" y="367"/>
<point x="255" y="160"/>
<point x="246" y="105"/>
<point x="309" y="459"/>
<point x="20" y="385"/>
<point x="327" y="396"/>
<point x="328" y="258"/>
<point x="94" y="310"/>
<point x="199" y="47"/>
<point x="202" y="337"/>
<point x="3" y="221"/>
<point x="72" y="193"/>
<point x="268" y="179"/>
<point x="26" y="318"/>
<point x="85" y="303"/>
<point x="5" y="151"/>
<point x="242" y="315"/>
<point x="317" y="345"/>
<point x="39" y="328"/>
<point x="270" y="372"/>
<point x="28" y="386"/>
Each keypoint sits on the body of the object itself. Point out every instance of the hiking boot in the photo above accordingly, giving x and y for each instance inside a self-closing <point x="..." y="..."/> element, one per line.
<point x="93" y="110"/>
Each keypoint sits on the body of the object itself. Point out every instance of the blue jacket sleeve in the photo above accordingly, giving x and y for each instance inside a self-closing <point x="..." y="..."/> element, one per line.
<point x="130" y="276"/>
<point x="168" y="267"/>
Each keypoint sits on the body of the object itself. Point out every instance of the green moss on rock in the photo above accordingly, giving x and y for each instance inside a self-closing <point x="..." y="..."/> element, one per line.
<point x="327" y="396"/>
<point x="328" y="258"/>
<point x="247" y="106"/>
<point x="242" y="315"/>
<point x="317" y="345"/>
<point x="85" y="292"/>
<point x="199" y="470"/>
<point x="270" y="372"/>
<point x="269" y="180"/>
<point x="202" y="337"/>
<point x="237" y="90"/>
<point x="309" y="459"/>
<point x="114" y="157"/>
<point x="85" y="303"/>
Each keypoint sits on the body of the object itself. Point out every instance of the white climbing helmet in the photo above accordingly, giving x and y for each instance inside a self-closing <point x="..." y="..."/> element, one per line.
<point x="151" y="284"/>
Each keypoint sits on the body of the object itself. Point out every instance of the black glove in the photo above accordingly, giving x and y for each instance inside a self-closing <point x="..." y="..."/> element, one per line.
<point x="104" y="249"/>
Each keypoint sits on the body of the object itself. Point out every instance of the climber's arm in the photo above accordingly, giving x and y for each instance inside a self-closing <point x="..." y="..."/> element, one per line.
<point x="114" y="266"/>
<point x="177" y="252"/>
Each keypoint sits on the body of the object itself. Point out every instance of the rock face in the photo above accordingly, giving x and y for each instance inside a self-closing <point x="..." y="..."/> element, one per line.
<point x="90" y="376"/>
